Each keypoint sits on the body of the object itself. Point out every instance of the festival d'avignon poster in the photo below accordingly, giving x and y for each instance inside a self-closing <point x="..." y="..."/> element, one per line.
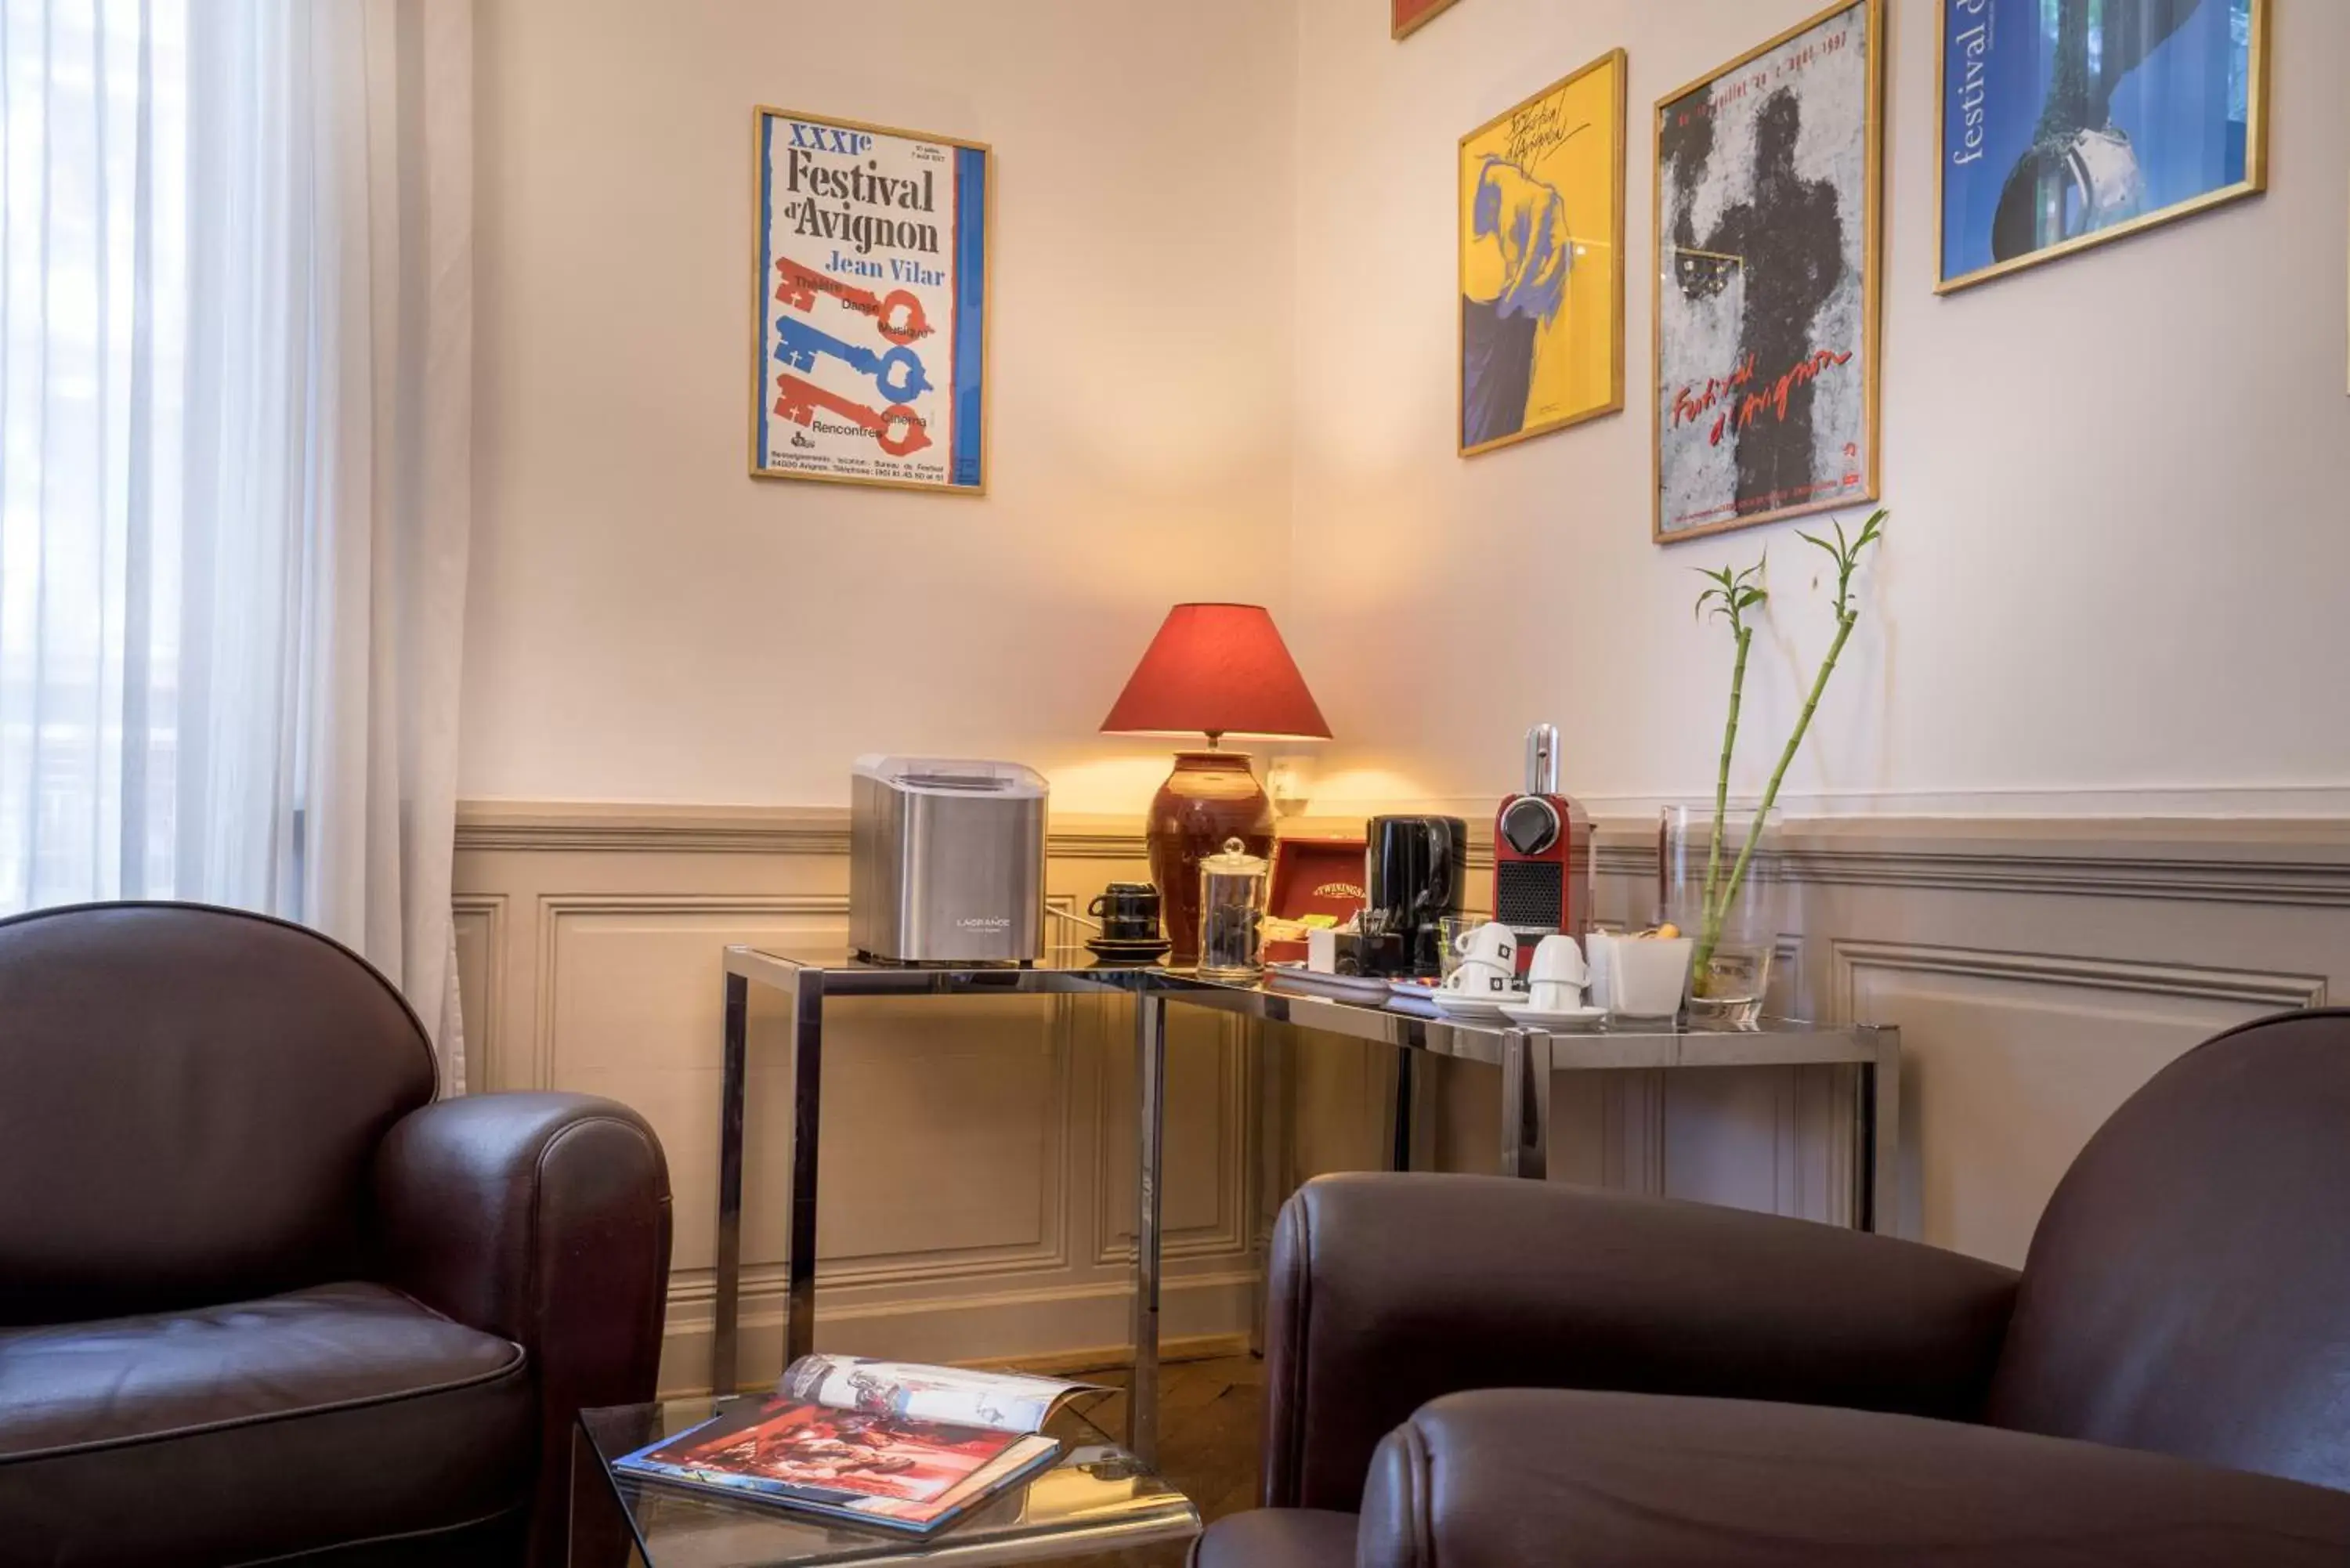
<point x="2064" y="121"/>
<point x="1767" y="222"/>
<point x="872" y="306"/>
<point x="1542" y="261"/>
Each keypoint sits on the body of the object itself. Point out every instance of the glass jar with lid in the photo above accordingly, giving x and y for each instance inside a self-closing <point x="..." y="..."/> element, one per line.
<point x="1232" y="910"/>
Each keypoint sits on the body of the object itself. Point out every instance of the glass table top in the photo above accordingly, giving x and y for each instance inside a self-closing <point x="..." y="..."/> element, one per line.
<point x="1285" y="998"/>
<point x="1096" y="1498"/>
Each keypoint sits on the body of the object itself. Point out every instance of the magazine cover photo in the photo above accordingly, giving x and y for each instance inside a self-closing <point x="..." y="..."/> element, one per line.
<point x="879" y="1468"/>
<point x="899" y="1444"/>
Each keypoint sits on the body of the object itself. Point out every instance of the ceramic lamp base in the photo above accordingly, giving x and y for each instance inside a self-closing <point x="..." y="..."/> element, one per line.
<point x="1210" y="797"/>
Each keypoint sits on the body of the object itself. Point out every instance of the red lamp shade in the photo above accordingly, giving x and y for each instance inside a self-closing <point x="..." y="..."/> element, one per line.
<point x="1217" y="669"/>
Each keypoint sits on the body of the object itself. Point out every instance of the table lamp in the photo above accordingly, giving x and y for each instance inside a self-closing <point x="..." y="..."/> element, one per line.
<point x="1217" y="670"/>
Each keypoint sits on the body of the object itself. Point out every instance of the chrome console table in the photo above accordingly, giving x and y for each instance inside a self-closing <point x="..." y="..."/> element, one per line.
<point x="1527" y="1059"/>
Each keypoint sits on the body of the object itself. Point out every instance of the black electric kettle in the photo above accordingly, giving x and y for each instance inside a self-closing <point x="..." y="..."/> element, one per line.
<point x="1414" y="869"/>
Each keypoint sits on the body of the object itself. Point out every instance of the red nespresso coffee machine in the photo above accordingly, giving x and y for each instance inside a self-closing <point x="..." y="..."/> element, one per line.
<point x="1542" y="855"/>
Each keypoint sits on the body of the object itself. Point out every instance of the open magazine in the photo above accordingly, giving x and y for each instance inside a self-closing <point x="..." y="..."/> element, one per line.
<point x="891" y="1443"/>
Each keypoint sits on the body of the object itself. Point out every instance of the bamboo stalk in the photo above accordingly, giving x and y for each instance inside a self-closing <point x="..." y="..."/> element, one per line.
<point x="1721" y="776"/>
<point x="1711" y="913"/>
<point x="1845" y="624"/>
<point x="1715" y="908"/>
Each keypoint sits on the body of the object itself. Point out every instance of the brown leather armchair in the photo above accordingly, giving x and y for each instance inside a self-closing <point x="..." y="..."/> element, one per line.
<point x="260" y="1297"/>
<point x="1479" y="1372"/>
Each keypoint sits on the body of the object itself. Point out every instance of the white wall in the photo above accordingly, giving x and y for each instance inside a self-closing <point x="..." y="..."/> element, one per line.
<point x="1223" y="367"/>
<point x="646" y="622"/>
<point x="2120" y="483"/>
<point x="1225" y="361"/>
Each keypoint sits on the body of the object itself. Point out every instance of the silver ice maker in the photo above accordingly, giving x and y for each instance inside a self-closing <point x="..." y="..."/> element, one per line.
<point x="946" y="861"/>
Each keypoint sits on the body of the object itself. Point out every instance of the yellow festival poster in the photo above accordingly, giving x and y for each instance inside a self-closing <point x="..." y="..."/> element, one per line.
<point x="1542" y="261"/>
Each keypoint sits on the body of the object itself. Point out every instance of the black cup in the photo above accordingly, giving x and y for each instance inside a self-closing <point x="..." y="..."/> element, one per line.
<point x="1129" y="912"/>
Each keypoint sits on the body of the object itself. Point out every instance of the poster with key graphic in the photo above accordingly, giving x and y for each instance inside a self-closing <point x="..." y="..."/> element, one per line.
<point x="872" y="302"/>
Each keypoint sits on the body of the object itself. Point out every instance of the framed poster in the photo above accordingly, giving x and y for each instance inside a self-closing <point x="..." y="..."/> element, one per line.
<point x="870" y="343"/>
<point x="1406" y="17"/>
<point x="1769" y="175"/>
<point x="2066" y="123"/>
<point x="1541" y="262"/>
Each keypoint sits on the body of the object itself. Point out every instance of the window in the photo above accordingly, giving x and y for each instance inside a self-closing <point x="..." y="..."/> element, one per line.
<point x="93" y="340"/>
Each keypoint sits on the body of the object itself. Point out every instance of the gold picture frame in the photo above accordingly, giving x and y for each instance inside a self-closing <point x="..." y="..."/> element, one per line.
<point x="2253" y="183"/>
<point x="762" y="116"/>
<point x="1507" y="132"/>
<point x="1864" y="484"/>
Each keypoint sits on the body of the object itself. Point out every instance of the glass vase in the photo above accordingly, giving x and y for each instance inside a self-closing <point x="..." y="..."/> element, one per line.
<point x="1730" y="897"/>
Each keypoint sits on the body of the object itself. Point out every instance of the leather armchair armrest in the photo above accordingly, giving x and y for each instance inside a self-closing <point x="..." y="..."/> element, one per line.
<point x="1616" y="1480"/>
<point x="1390" y="1290"/>
<point x="544" y="1218"/>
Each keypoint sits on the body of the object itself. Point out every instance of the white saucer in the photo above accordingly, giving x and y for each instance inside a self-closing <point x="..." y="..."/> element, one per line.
<point x="1474" y="1009"/>
<point x="1560" y="1018"/>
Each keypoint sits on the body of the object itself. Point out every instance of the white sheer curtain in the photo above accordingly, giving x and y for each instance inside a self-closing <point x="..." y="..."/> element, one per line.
<point x="235" y="258"/>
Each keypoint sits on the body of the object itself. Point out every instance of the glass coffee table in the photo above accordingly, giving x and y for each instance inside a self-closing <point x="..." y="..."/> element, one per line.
<point x="1096" y="1498"/>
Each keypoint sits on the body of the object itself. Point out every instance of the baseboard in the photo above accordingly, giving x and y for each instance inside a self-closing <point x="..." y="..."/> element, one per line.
<point x="1202" y="1315"/>
<point x="1118" y="1357"/>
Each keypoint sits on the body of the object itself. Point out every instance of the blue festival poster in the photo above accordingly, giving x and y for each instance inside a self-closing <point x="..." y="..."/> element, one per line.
<point x="872" y="306"/>
<point x="2065" y="122"/>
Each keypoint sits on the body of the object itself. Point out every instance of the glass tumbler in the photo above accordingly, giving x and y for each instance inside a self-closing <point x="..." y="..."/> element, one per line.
<point x="1453" y="930"/>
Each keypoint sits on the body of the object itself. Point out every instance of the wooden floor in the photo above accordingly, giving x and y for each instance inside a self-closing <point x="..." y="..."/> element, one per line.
<point x="1207" y="1434"/>
<point x="1208" y="1414"/>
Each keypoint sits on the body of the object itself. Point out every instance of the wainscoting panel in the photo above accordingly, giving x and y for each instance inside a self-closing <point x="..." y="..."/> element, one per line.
<point x="977" y="1170"/>
<point x="2014" y="1060"/>
<point x="976" y="1177"/>
<point x="2039" y="971"/>
<point x="481" y="930"/>
<point x="628" y="1005"/>
<point x="1211" y="1107"/>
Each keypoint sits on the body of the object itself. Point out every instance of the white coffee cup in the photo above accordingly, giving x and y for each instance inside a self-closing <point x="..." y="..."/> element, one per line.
<point x="1651" y="976"/>
<point x="1476" y="977"/>
<point x="1556" y="996"/>
<point x="1558" y="958"/>
<point x="1492" y="943"/>
<point x="1602" y="946"/>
